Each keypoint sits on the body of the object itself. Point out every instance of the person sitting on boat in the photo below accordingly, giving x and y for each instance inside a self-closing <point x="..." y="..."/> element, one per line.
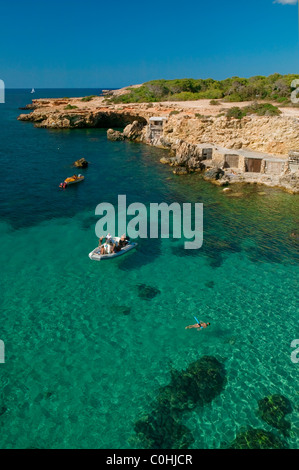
<point x="103" y="250"/>
<point x="123" y="241"/>
<point x="106" y="248"/>
<point x="199" y="325"/>
<point x="75" y="177"/>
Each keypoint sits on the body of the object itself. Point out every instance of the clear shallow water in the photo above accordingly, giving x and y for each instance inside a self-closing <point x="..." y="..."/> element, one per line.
<point x="80" y="369"/>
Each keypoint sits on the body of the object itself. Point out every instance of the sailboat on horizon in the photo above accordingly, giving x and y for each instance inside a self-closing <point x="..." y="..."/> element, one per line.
<point x="33" y="90"/>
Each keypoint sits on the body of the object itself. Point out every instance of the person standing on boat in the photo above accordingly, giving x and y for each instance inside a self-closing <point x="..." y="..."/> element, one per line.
<point x="101" y="241"/>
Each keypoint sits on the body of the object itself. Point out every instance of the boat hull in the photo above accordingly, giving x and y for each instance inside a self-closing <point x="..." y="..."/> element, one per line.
<point x="96" y="256"/>
<point x="68" y="183"/>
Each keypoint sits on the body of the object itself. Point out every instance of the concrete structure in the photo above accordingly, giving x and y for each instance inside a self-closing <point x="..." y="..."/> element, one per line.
<point x="248" y="161"/>
<point x="294" y="160"/>
<point x="156" y="126"/>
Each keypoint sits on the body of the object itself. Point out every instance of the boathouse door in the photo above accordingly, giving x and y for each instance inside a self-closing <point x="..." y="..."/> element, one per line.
<point x="253" y="165"/>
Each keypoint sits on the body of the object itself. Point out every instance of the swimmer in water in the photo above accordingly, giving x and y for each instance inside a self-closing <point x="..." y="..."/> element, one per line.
<point x="201" y="325"/>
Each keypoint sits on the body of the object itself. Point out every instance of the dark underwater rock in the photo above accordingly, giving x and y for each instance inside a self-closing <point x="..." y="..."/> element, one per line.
<point x="160" y="430"/>
<point x="257" y="439"/>
<point x="213" y="248"/>
<point x="3" y="410"/>
<point x="147" y="292"/>
<point x="198" y="385"/>
<point x="272" y="410"/>
<point x="121" y="309"/>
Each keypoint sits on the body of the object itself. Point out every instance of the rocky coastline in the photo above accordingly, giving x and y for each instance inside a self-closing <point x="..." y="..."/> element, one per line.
<point x="226" y="150"/>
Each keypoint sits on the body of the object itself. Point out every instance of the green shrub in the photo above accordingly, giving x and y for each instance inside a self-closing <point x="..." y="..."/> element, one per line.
<point x="214" y="103"/>
<point x="236" y="113"/>
<point x="234" y="89"/>
<point x="262" y="109"/>
<point x="69" y="106"/>
<point x="88" y="98"/>
<point x="172" y="113"/>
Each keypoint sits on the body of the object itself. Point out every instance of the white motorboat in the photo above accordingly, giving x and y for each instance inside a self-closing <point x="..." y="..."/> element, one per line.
<point x="96" y="256"/>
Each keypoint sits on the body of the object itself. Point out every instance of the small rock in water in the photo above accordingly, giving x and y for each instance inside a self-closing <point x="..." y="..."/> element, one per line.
<point x="180" y="171"/>
<point x="82" y="163"/>
<point x="147" y="292"/>
<point x="115" y="135"/>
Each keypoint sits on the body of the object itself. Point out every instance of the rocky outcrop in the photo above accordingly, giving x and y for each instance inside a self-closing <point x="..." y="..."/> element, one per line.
<point x="134" y="131"/>
<point x="131" y="132"/>
<point x="115" y="135"/>
<point x="214" y="174"/>
<point x="82" y="163"/>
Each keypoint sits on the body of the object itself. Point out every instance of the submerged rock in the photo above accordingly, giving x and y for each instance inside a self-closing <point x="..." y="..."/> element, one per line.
<point x="273" y="409"/>
<point x="147" y="292"/>
<point x="257" y="439"/>
<point x="180" y="170"/>
<point x="3" y="409"/>
<point x="160" y="430"/>
<point x="121" y="310"/>
<point x="198" y="385"/>
<point x="165" y="161"/>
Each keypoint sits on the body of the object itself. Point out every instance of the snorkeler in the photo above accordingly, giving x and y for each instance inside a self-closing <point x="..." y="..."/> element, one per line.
<point x="200" y="325"/>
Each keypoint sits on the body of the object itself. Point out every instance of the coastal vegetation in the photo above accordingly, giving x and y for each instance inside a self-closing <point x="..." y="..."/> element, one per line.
<point x="275" y="87"/>
<point x="69" y="106"/>
<point x="88" y="98"/>
<point x="261" y="109"/>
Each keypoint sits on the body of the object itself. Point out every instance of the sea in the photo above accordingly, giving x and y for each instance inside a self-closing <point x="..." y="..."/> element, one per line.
<point x="89" y="345"/>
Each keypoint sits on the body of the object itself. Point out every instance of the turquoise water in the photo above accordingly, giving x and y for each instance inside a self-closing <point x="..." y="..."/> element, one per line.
<point x="85" y="354"/>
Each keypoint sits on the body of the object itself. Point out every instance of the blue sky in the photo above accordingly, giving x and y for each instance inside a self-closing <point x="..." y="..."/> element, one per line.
<point x="92" y="43"/>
